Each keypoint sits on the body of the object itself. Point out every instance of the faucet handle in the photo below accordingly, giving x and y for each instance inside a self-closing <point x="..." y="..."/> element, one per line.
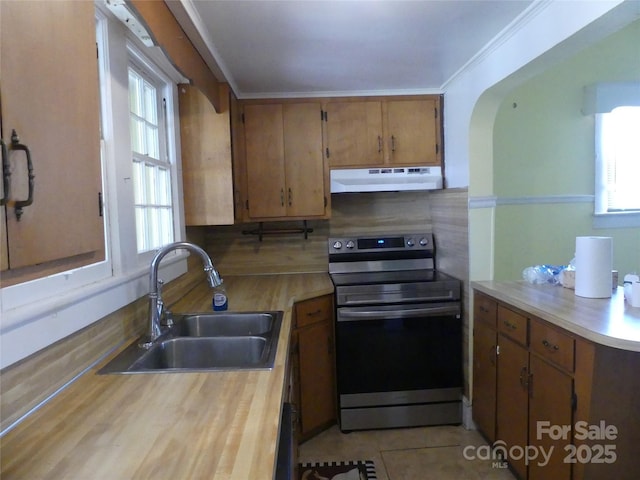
<point x="167" y="318"/>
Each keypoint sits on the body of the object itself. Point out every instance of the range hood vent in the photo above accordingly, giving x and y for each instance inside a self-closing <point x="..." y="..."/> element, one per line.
<point x="386" y="179"/>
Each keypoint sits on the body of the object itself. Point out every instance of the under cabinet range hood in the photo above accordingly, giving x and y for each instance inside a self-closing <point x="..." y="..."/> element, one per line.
<point x="386" y="179"/>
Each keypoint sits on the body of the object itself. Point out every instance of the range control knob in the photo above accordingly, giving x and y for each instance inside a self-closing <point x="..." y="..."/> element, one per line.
<point x="424" y="241"/>
<point x="337" y="245"/>
<point x="350" y="244"/>
<point x="411" y="242"/>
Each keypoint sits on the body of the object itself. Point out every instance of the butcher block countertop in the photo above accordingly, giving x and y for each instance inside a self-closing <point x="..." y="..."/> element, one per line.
<point x="610" y="321"/>
<point x="221" y="425"/>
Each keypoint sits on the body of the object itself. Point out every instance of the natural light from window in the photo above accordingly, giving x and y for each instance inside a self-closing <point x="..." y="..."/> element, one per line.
<point x="620" y="160"/>
<point x="151" y="170"/>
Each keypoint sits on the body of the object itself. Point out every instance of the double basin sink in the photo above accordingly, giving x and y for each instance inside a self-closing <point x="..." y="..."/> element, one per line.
<point x="206" y="342"/>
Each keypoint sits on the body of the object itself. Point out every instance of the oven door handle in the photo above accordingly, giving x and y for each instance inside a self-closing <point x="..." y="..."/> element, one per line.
<point x="350" y="315"/>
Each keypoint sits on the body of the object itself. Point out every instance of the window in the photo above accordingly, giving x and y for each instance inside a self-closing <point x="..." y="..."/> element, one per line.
<point x="618" y="160"/>
<point x="151" y="166"/>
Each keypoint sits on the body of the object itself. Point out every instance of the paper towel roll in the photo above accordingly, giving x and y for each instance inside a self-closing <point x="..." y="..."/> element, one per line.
<point x="594" y="262"/>
<point x="635" y="294"/>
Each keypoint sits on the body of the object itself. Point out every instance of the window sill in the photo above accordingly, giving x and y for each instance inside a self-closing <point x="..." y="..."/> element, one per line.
<point x="25" y="330"/>
<point x="616" y="220"/>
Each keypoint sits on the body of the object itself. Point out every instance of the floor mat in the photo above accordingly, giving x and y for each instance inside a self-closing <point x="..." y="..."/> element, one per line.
<point x="361" y="470"/>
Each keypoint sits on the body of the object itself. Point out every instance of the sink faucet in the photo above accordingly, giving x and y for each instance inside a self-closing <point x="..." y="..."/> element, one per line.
<point x="156" y="305"/>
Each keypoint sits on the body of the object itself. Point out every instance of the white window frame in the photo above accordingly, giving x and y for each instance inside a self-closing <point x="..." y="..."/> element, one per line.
<point x="38" y="313"/>
<point x="603" y="217"/>
<point x="153" y="74"/>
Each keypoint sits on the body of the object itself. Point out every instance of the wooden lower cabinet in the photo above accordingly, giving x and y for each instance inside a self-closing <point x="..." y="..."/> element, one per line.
<point x="551" y="386"/>
<point x="550" y="403"/>
<point x="484" y="368"/>
<point x="313" y="365"/>
<point x="512" y="400"/>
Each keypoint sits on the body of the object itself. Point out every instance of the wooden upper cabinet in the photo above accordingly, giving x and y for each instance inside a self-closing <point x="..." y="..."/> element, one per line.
<point x="401" y="131"/>
<point x="284" y="162"/>
<point x="304" y="167"/>
<point x="354" y="133"/>
<point x="413" y="132"/>
<point x="264" y="140"/>
<point x="205" y="138"/>
<point x="50" y="97"/>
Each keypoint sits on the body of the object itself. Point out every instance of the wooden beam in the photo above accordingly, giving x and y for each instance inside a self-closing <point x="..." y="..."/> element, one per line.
<point x="168" y="34"/>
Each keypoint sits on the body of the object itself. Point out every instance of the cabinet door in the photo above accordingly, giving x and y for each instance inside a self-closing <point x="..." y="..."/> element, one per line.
<point x="317" y="379"/>
<point x="49" y="94"/>
<point x="412" y="132"/>
<point x="304" y="167"/>
<point x="205" y="139"/>
<point x="484" y="379"/>
<point x="354" y="134"/>
<point x="264" y="147"/>
<point x="4" y="253"/>
<point x="550" y="402"/>
<point x="512" y="399"/>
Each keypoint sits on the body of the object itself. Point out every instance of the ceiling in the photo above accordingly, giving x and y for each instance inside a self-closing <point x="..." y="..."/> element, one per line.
<point x="290" y="48"/>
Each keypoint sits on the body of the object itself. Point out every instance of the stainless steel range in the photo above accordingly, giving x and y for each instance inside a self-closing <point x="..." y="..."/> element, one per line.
<point x="398" y="333"/>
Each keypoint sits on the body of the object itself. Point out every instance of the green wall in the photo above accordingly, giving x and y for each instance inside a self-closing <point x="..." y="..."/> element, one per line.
<point x="544" y="150"/>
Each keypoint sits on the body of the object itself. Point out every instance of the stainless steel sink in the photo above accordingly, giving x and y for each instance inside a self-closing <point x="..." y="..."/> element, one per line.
<point x="206" y="342"/>
<point x="224" y="324"/>
<point x="204" y="353"/>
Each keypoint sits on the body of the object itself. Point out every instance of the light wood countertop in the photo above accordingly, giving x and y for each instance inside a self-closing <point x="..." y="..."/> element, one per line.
<point x="611" y="322"/>
<point x="221" y="425"/>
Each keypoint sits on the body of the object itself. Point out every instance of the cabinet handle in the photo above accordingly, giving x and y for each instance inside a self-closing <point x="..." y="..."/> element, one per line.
<point x="317" y="312"/>
<point x="16" y="145"/>
<point x="550" y="346"/>
<point x="393" y="143"/>
<point x="6" y="174"/>
<point x="524" y="377"/>
<point x="379" y="144"/>
<point x="493" y="353"/>
<point x="484" y="309"/>
<point x="290" y="197"/>
<point x="510" y="325"/>
<point x="282" y="197"/>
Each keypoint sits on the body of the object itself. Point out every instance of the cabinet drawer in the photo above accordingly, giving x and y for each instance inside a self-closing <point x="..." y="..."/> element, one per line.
<point x="552" y="344"/>
<point x="485" y="309"/>
<point x="512" y="324"/>
<point x="314" y="310"/>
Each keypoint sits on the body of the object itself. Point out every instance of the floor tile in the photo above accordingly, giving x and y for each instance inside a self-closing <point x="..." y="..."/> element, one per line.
<point x="423" y="453"/>
<point x="439" y="463"/>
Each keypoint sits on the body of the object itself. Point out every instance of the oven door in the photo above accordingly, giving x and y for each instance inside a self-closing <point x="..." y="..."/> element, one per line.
<point x="393" y="354"/>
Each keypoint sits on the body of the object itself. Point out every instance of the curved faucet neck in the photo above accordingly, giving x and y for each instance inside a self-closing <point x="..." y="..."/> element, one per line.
<point x="155" y="298"/>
